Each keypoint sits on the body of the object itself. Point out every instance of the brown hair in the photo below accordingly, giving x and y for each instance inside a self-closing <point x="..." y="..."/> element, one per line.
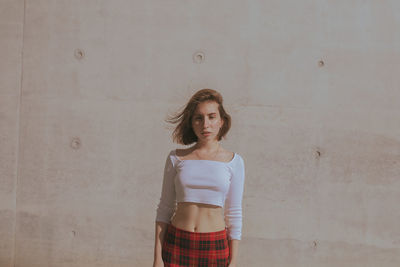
<point x="183" y="132"/>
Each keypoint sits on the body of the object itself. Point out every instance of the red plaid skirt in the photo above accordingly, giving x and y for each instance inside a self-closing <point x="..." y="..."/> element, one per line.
<point x="185" y="248"/>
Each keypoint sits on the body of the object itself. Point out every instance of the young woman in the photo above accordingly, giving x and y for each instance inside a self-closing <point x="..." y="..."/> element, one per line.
<point x="199" y="215"/>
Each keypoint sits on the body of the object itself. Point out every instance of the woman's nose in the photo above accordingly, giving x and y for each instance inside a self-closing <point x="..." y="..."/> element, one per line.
<point x="206" y="122"/>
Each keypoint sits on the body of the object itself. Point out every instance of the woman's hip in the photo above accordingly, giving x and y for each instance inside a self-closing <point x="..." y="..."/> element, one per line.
<point x="186" y="248"/>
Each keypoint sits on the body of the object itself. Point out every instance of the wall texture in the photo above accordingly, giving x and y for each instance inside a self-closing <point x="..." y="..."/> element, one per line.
<point x="312" y="87"/>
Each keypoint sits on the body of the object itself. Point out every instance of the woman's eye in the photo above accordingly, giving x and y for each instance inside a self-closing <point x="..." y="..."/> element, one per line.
<point x="199" y="118"/>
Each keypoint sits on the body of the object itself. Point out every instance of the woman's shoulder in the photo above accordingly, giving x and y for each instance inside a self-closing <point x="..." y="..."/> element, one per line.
<point x="224" y="154"/>
<point x="181" y="152"/>
<point x="229" y="155"/>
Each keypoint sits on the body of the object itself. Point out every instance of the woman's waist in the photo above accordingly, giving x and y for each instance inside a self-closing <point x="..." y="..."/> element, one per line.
<point x="198" y="207"/>
<point x="198" y="217"/>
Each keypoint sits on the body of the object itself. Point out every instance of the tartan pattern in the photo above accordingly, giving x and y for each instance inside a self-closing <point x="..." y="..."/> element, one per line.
<point x="195" y="249"/>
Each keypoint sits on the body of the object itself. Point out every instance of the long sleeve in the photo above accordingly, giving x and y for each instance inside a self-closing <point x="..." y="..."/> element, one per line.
<point x="233" y="201"/>
<point x="167" y="203"/>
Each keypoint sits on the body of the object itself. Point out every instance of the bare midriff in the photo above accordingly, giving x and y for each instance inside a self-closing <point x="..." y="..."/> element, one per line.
<point x="198" y="217"/>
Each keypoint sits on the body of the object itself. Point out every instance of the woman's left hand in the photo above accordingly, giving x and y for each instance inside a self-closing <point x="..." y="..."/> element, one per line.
<point x="232" y="264"/>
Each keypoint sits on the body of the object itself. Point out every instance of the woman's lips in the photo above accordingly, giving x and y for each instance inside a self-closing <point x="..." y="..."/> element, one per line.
<point x="206" y="133"/>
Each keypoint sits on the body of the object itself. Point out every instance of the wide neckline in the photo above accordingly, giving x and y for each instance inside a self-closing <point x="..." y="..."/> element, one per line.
<point x="224" y="162"/>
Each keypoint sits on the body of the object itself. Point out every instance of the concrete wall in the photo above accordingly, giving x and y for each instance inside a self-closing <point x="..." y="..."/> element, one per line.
<point x="312" y="87"/>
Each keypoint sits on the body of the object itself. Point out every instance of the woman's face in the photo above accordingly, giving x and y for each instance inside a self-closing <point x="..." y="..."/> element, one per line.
<point x="206" y="118"/>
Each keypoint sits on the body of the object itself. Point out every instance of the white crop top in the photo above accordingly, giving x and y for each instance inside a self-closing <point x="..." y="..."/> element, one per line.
<point x="204" y="181"/>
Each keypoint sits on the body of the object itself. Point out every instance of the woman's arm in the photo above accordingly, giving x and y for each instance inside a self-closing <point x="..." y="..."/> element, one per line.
<point x="233" y="251"/>
<point x="233" y="210"/>
<point x="165" y="209"/>
<point x="159" y="239"/>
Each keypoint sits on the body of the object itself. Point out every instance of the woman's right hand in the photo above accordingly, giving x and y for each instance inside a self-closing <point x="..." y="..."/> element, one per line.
<point x="158" y="263"/>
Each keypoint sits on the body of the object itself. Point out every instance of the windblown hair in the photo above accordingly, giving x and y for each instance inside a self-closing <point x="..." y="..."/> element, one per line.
<point x="183" y="132"/>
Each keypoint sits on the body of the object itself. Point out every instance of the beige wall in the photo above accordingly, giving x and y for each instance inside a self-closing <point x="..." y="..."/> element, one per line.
<point x="83" y="143"/>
